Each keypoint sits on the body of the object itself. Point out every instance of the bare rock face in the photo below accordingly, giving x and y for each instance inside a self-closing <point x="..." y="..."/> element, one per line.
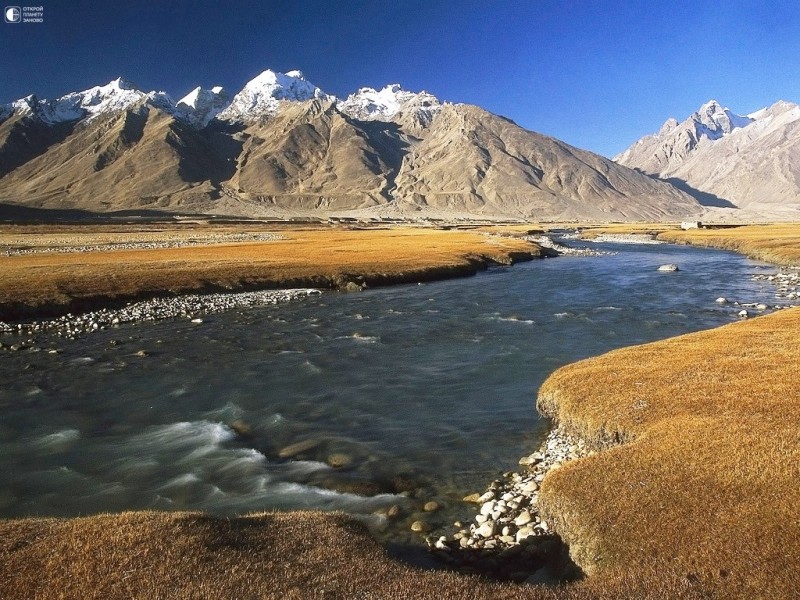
<point x="749" y="162"/>
<point x="473" y="161"/>
<point x="283" y="146"/>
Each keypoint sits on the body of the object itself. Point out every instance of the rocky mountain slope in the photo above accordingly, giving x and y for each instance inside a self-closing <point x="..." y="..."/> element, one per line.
<point x="749" y="162"/>
<point x="281" y="146"/>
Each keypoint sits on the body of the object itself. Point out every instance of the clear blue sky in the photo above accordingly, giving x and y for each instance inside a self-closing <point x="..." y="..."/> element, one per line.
<point x="597" y="74"/>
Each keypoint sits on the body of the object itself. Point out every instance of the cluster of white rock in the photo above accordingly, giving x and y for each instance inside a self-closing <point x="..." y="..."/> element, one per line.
<point x="625" y="238"/>
<point x="218" y="238"/>
<point x="190" y="306"/>
<point x="787" y="282"/>
<point x="508" y="537"/>
<point x="547" y="242"/>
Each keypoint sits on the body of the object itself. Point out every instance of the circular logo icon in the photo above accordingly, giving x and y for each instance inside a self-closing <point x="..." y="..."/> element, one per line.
<point x="13" y="14"/>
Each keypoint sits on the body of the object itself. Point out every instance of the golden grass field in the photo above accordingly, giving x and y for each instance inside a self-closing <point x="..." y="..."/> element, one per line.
<point x="308" y="257"/>
<point x="776" y="243"/>
<point x="779" y="244"/>
<point x="696" y="495"/>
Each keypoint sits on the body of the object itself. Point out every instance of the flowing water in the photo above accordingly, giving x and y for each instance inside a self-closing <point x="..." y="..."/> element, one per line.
<point x="423" y="389"/>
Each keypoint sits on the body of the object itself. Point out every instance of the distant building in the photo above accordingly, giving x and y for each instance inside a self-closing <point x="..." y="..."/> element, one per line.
<point x="691" y="225"/>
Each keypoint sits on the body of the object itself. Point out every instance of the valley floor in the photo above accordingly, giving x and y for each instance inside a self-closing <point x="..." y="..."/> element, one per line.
<point x="692" y="492"/>
<point x="53" y="270"/>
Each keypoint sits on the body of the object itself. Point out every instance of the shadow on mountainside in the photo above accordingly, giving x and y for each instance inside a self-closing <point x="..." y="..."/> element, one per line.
<point x="12" y="213"/>
<point x="704" y="198"/>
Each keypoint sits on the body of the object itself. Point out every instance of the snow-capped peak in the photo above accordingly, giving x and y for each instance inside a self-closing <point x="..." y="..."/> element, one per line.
<point x="713" y="120"/>
<point x="117" y="95"/>
<point x="199" y="106"/>
<point x="262" y="94"/>
<point x="369" y="103"/>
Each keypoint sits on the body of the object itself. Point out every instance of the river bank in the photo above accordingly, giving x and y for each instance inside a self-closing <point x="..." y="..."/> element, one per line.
<point x="51" y="284"/>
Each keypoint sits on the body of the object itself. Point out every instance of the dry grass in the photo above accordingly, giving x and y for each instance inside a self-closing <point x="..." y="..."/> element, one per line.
<point x="308" y="257"/>
<point x="179" y="556"/>
<point x="706" y="486"/>
<point x="778" y="243"/>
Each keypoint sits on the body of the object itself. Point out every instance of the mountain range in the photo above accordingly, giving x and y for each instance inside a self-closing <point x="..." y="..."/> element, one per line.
<point x="283" y="147"/>
<point x="746" y="163"/>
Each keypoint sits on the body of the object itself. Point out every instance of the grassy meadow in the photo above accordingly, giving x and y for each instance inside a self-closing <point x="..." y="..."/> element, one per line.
<point x="307" y="257"/>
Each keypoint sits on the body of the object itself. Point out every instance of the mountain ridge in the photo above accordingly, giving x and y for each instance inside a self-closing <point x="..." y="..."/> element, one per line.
<point x="282" y="146"/>
<point x="748" y="162"/>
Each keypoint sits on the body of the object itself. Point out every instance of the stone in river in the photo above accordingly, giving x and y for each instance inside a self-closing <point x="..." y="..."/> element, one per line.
<point x="743" y="313"/>
<point x="473" y="498"/>
<point x="298" y="448"/>
<point x="420" y="526"/>
<point x="339" y="460"/>
<point x="722" y="300"/>
<point x="669" y="268"/>
<point x="431" y="506"/>
<point x="241" y="428"/>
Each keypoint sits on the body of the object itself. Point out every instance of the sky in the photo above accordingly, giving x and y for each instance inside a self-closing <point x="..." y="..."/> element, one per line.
<point x="596" y="74"/>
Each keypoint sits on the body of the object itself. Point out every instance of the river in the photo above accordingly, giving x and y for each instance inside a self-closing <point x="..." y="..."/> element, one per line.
<point x="415" y="392"/>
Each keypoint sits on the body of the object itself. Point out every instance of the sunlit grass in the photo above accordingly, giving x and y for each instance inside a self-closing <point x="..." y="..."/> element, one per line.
<point x="705" y="483"/>
<point x="307" y="257"/>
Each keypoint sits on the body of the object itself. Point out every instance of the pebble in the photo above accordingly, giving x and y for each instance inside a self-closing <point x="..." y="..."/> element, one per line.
<point x="339" y="460"/>
<point x="508" y="526"/>
<point x="670" y="268"/>
<point x="431" y="506"/>
<point x="523" y="519"/>
<point x="486" y="530"/>
<point x="156" y="309"/>
<point x="298" y="448"/>
<point x="547" y="242"/>
<point x="420" y="526"/>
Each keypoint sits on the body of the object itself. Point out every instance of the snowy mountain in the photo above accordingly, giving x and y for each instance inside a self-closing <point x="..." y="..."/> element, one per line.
<point x="750" y="161"/>
<point x="368" y="103"/>
<point x="199" y="106"/>
<point x="261" y="96"/>
<point x="294" y="150"/>
<point x="666" y="149"/>
<point x="115" y="96"/>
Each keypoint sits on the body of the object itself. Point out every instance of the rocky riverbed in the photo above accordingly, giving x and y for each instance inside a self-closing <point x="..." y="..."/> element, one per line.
<point x="548" y="242"/>
<point x="624" y="238"/>
<point x="190" y="306"/>
<point x="508" y="538"/>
